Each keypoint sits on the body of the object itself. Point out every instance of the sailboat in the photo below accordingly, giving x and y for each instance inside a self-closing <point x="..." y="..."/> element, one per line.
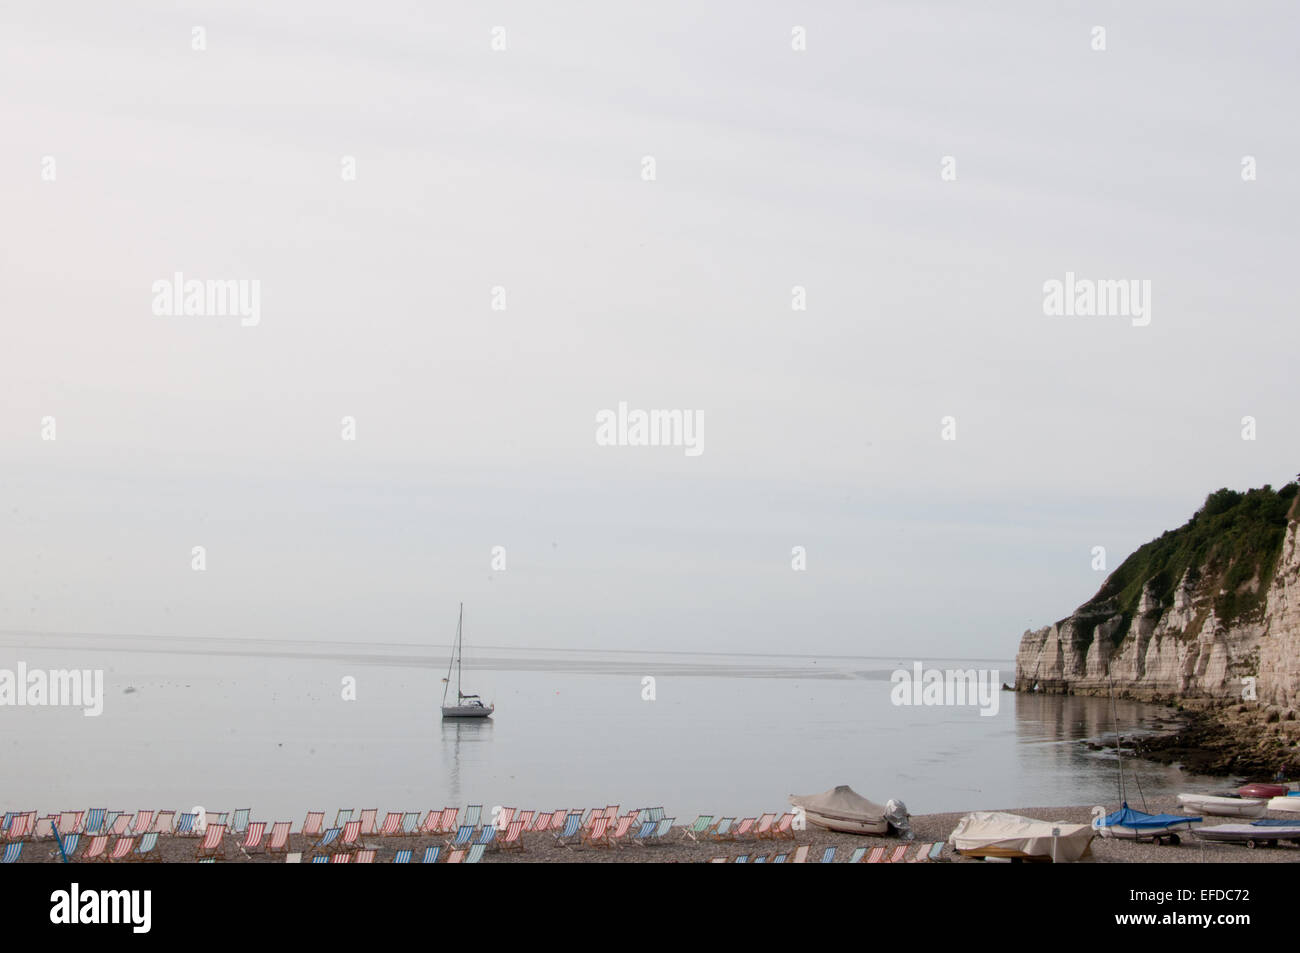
<point x="467" y="706"/>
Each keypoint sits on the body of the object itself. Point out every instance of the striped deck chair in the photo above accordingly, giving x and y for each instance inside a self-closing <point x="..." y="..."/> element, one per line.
<point x="69" y="846"/>
<point x="110" y="821"/>
<point x="504" y="817"/>
<point x="620" y="834"/>
<point x="857" y="855"/>
<point x="212" y="817"/>
<point x="23" y="827"/>
<point x="722" y="829"/>
<point x="646" y="829"/>
<point x="403" y="856"/>
<point x="314" y="825"/>
<point x="350" y="839"/>
<point x="455" y="857"/>
<point x="780" y="858"/>
<point x="698" y="827"/>
<point x="559" y="819"/>
<point x="94" y="821"/>
<point x="342" y="858"/>
<point x="572" y="825"/>
<point x="321" y="858"/>
<point x="800" y="855"/>
<point x="253" y="835"/>
<point x="526" y="819"/>
<point x="762" y="859"/>
<point x="431" y="854"/>
<point x="784" y="827"/>
<point x="142" y="821"/>
<point x="12" y="853"/>
<point x="410" y="821"/>
<point x="742" y="859"/>
<point x="122" y="848"/>
<point x="876" y="856"/>
<point x="512" y="839"/>
<point x="662" y="831"/>
<point x="325" y="842"/>
<point x="239" y="823"/>
<point x="392" y="825"/>
<point x="147" y="849"/>
<point x="122" y="824"/>
<point x="4" y="825"/>
<point x="464" y="834"/>
<point x="278" y="843"/>
<point x="928" y="852"/>
<point x="473" y="813"/>
<point x="487" y="834"/>
<point x="95" y="850"/>
<point x="611" y="812"/>
<point x="598" y="834"/>
<point x="368" y="816"/>
<point x="897" y="856"/>
<point x="185" y="825"/>
<point x="432" y="824"/>
<point x="447" y="823"/>
<point x="342" y="817"/>
<point x="162" y="822"/>
<point x="655" y="813"/>
<point x="69" y="822"/>
<point x="763" y="829"/>
<point x="211" y="846"/>
<point x="828" y="855"/>
<point x="366" y="856"/>
<point x="475" y="854"/>
<point x="744" y="828"/>
<point x="45" y="827"/>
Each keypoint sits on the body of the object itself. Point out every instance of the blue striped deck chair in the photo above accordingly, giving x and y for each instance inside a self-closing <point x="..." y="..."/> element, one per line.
<point x="487" y="835"/>
<point x="722" y="830"/>
<point x="779" y="858"/>
<point x="566" y="836"/>
<point x="431" y="855"/>
<point x="464" y="834"/>
<point x="147" y="849"/>
<point x="743" y="858"/>
<point x="70" y="844"/>
<point x="94" y="821"/>
<point x="12" y="851"/>
<point x="476" y="852"/>
<point x="326" y="839"/>
<point x="239" y="824"/>
<point x="403" y="856"/>
<point x="472" y="815"/>
<point x="761" y="860"/>
<point x="212" y="817"/>
<point x="857" y="855"/>
<point x="646" y="829"/>
<point x="185" y="825"/>
<point x="343" y="816"/>
<point x="410" y="821"/>
<point x="110" y="818"/>
<point x="828" y="855"/>
<point x="662" y="831"/>
<point x="936" y="850"/>
<point x="656" y="813"/>
<point x="321" y="858"/>
<point x="9" y="819"/>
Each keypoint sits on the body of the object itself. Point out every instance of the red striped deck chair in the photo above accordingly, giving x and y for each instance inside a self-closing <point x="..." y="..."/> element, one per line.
<point x="876" y="856"/>
<point x="922" y="855"/>
<point x="506" y="815"/>
<point x="801" y="854"/>
<point x="619" y="831"/>
<point x="253" y="835"/>
<point x="763" y="829"/>
<point x="611" y="813"/>
<point x="897" y="856"/>
<point x="392" y="825"/>
<point x="744" y="828"/>
<point x="122" y="848"/>
<point x="513" y="838"/>
<point x="350" y="839"/>
<point x="69" y="822"/>
<point x="527" y="818"/>
<point x="557" y="820"/>
<point x="22" y="826"/>
<point x="314" y="825"/>
<point x="343" y="858"/>
<point x="450" y="820"/>
<point x="366" y="856"/>
<point x="278" y="842"/>
<point x="598" y="834"/>
<point x="368" y="816"/>
<point x="142" y="821"/>
<point x="162" y="822"/>
<point x="122" y="824"/>
<point x="456" y="857"/>
<point x="784" y="828"/>
<point x="432" y="825"/>
<point x="95" y="851"/>
<point x="211" y="845"/>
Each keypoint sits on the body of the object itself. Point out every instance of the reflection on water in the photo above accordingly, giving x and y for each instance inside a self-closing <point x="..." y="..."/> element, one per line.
<point x="456" y="732"/>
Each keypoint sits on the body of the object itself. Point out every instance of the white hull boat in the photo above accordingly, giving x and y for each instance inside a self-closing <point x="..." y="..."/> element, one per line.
<point x="1287" y="805"/>
<point x="995" y="834"/>
<point x="1221" y="806"/>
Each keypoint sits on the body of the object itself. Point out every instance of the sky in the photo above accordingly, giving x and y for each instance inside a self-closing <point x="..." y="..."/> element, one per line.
<point x="499" y="153"/>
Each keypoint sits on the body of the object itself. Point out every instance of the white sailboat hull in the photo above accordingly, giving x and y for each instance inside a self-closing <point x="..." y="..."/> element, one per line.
<point x="467" y="711"/>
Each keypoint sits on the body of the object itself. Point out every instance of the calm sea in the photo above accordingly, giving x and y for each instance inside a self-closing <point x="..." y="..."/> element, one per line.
<point x="225" y="723"/>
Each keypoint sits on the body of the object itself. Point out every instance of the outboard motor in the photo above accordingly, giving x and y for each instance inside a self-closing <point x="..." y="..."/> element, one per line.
<point x="899" y="819"/>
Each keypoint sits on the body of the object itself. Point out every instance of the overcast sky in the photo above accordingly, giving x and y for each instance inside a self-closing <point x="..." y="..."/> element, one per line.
<point x="522" y="168"/>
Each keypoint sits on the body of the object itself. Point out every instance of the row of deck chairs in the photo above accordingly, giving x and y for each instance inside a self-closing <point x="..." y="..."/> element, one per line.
<point x="860" y="855"/>
<point x="764" y="827"/>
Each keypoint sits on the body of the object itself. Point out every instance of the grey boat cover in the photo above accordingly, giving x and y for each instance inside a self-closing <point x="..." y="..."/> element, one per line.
<point x="842" y="801"/>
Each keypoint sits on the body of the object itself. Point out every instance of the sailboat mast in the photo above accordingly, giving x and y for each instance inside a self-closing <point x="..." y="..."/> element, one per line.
<point x="460" y="644"/>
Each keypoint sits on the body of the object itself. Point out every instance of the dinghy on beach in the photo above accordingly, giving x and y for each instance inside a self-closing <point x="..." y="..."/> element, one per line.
<point x="1128" y="824"/>
<point x="995" y="834"/>
<point x="844" y="809"/>
<point x="1221" y="805"/>
<point x="1287" y="805"/>
<point x="1261" y="833"/>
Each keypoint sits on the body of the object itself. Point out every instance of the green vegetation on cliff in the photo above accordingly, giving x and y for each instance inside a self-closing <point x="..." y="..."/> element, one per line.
<point x="1232" y="540"/>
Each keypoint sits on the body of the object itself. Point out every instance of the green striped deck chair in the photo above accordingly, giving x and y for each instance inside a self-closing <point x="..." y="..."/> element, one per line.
<point x="857" y="855"/>
<point x="472" y="815"/>
<point x="722" y="830"/>
<point x="697" y="830"/>
<point x="239" y="823"/>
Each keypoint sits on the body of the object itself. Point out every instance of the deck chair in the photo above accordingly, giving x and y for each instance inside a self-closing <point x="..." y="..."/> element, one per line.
<point x="278" y="843"/>
<point x="473" y="814"/>
<point x="857" y="855"/>
<point x="486" y="835"/>
<point x="121" y="824"/>
<point x="94" y="821"/>
<point x="598" y="834"/>
<point x="744" y="828"/>
<point x="646" y="830"/>
<point x="455" y="857"/>
<point x="325" y="843"/>
<point x="761" y="859"/>
<point x="410" y="821"/>
<point x="742" y="859"/>
<point x="570" y="831"/>
<point x="147" y="849"/>
<point x="122" y="848"/>
<point x="314" y="824"/>
<point x="897" y="856"/>
<point x="95" y="850"/>
<point x="800" y="854"/>
<point x="560" y="819"/>
<point x="447" y="823"/>
<point x="392" y="825"/>
<point x="12" y="852"/>
<point x="368" y="820"/>
<point x="162" y="822"/>
<point x="431" y="854"/>
<point x="526" y="819"/>
<point x="512" y="839"/>
<point x="350" y="839"/>
<point x="763" y="829"/>
<point x="321" y="858"/>
<point x="662" y="831"/>
<point x="475" y="853"/>
<point x="619" y="835"/>
<point x="464" y="834"/>
<point x="504" y="817"/>
<point x="780" y="858"/>
<point x="365" y="856"/>
<point x="341" y="858"/>
<point x="69" y="822"/>
<point x="185" y="825"/>
<point x="655" y="813"/>
<point x="239" y="823"/>
<point x="342" y="817"/>
<point x="722" y="830"/>
<point x="142" y="821"/>
<point x="403" y="856"/>
<point x="253" y="835"/>
<point x="699" y="827"/>
<point x="211" y="845"/>
<point x="45" y="827"/>
<point x="784" y="827"/>
<point x="928" y="852"/>
<point x="69" y="843"/>
<point x="877" y="855"/>
<point x="828" y="855"/>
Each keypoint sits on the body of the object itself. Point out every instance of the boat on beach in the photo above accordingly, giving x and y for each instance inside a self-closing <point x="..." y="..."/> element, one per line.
<point x="1286" y="805"/>
<point x="1128" y="824"/>
<point x="844" y="809"/>
<point x="1262" y="790"/>
<point x="467" y="706"/>
<point x="1261" y="833"/>
<point x="1223" y="805"/>
<point x="996" y="834"/>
